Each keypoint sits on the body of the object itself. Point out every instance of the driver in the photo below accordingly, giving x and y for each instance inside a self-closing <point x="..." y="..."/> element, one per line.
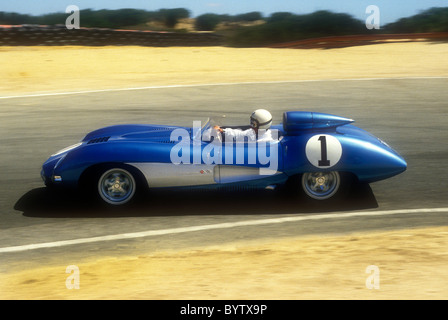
<point x="259" y="119"/>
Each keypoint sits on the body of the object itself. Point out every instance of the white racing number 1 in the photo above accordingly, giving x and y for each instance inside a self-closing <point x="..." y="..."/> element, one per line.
<point x="323" y="151"/>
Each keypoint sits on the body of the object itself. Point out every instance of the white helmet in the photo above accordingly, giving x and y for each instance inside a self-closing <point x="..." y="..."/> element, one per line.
<point x="261" y="119"/>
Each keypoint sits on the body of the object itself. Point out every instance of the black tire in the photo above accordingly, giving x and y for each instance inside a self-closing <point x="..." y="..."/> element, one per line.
<point x="321" y="187"/>
<point x="116" y="186"/>
<point x="113" y="185"/>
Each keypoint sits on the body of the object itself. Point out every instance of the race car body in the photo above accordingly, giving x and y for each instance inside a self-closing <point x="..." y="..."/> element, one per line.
<point x="317" y="149"/>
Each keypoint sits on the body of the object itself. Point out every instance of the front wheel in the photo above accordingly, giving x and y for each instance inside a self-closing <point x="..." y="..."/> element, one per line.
<point x="116" y="186"/>
<point x="321" y="185"/>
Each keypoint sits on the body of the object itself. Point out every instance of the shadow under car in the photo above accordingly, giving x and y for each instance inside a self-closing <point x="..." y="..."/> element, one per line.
<point x="46" y="202"/>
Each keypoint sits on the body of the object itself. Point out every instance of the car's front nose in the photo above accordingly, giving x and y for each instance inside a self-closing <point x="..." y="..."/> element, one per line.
<point x="47" y="172"/>
<point x="48" y="168"/>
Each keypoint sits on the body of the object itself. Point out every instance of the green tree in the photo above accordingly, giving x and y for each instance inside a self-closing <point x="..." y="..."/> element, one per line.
<point x="285" y="26"/>
<point x="207" y="22"/>
<point x="431" y="20"/>
<point x="171" y="17"/>
<point x="250" y="16"/>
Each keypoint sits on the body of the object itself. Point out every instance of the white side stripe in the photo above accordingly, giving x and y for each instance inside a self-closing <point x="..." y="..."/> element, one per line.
<point x="226" y="225"/>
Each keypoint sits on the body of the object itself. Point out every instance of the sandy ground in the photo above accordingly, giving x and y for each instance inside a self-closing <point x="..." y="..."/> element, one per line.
<point x="42" y="69"/>
<point x="412" y="263"/>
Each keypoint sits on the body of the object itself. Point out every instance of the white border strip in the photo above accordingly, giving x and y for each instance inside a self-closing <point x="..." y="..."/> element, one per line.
<point x="226" y="225"/>
<point x="49" y="94"/>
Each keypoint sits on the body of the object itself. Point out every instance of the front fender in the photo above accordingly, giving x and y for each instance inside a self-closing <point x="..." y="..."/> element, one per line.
<point x="71" y="167"/>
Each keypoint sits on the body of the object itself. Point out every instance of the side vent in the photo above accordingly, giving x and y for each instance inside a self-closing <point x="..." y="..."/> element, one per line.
<point x="98" y="140"/>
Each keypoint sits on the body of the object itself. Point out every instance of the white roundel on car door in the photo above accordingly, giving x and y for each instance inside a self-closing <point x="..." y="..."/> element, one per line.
<point x="323" y="151"/>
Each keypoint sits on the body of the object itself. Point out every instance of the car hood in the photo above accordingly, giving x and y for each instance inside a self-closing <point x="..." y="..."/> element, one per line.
<point x="131" y="132"/>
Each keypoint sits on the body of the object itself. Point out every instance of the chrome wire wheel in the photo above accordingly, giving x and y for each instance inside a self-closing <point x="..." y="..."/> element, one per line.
<point x="116" y="186"/>
<point x="321" y="185"/>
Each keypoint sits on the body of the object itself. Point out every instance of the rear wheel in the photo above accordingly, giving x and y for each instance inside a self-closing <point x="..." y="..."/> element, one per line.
<point x="321" y="185"/>
<point x="116" y="186"/>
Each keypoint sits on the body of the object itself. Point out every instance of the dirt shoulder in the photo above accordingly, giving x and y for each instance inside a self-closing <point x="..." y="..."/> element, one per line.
<point x="411" y="265"/>
<point x="62" y="69"/>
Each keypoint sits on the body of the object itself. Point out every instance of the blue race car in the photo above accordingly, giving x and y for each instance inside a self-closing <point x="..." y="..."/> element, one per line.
<point x="320" y="153"/>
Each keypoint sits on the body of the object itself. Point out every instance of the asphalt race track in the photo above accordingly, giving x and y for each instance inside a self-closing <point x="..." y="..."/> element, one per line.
<point x="411" y="115"/>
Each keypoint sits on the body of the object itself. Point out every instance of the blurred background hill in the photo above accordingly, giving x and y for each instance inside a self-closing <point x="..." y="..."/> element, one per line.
<point x="250" y="29"/>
